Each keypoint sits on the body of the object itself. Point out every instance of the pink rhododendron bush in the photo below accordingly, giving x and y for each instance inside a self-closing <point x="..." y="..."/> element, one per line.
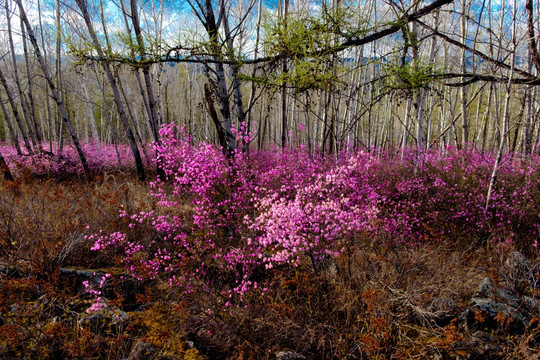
<point x="53" y="163"/>
<point x="229" y="225"/>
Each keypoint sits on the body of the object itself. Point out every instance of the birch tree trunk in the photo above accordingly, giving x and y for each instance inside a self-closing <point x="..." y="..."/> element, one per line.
<point x="251" y="100"/>
<point x="117" y="97"/>
<point x="12" y="132"/>
<point x="44" y="68"/>
<point x="18" y="85"/>
<point x="284" y="69"/>
<point x="234" y="70"/>
<point x="89" y="110"/>
<point x="32" y="109"/>
<point x="463" y="89"/>
<point x="154" y="119"/>
<point x="15" y="111"/>
<point x="505" y="118"/>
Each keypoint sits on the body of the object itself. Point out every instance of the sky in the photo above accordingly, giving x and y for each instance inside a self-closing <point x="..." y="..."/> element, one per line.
<point x="178" y="23"/>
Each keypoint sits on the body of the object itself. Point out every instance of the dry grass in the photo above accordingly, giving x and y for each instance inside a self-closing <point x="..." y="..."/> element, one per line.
<point x="382" y="302"/>
<point x="43" y="224"/>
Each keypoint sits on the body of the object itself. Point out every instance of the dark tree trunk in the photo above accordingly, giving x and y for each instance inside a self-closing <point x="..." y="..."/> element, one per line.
<point x="5" y="169"/>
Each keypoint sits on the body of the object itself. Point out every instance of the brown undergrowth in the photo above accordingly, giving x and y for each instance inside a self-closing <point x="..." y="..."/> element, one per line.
<point x="373" y="302"/>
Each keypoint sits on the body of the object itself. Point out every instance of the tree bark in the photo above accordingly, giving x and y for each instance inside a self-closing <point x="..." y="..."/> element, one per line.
<point x="5" y="169"/>
<point x="15" y="111"/>
<point x="32" y="109"/>
<point x="505" y="120"/>
<point x="18" y="84"/>
<point x="59" y="102"/>
<point x="12" y="132"/>
<point x="117" y="97"/>
<point x="153" y="115"/>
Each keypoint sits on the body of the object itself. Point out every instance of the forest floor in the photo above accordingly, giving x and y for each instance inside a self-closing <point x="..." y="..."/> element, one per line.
<point x="437" y="301"/>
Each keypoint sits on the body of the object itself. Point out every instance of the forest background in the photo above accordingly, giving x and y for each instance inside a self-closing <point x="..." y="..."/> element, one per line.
<point x="329" y="75"/>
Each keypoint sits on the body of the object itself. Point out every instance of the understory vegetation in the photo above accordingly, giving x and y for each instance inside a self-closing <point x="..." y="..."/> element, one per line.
<point x="270" y="254"/>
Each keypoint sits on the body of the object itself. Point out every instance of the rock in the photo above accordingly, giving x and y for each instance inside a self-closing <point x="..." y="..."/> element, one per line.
<point x="289" y="355"/>
<point x="142" y="351"/>
<point x="485" y="289"/>
<point x="126" y="286"/>
<point x="483" y="337"/>
<point x="492" y="301"/>
<point x="492" y="350"/>
<point x="108" y="318"/>
<point x="485" y="300"/>
<point x="519" y="273"/>
<point x="96" y="322"/>
<point x="80" y="275"/>
<point x="517" y="267"/>
<point x="15" y="308"/>
<point x="532" y="303"/>
<point x="486" y="345"/>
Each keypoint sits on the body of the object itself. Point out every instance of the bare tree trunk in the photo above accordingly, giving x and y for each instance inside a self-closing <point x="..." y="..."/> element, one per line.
<point x="528" y="131"/>
<point x="58" y="64"/>
<point x="59" y="102"/>
<point x="222" y="136"/>
<point x="533" y="58"/>
<point x="284" y="69"/>
<point x="144" y="95"/>
<point x="486" y="118"/>
<point x="19" y="88"/>
<point x="505" y="119"/>
<point x="477" y="116"/>
<point x="409" y="37"/>
<point x="235" y="71"/>
<point x="5" y="169"/>
<point x="463" y="89"/>
<point x="327" y="126"/>
<point x="520" y="117"/>
<point x="148" y="98"/>
<point x="12" y="132"/>
<point x="89" y="110"/>
<point x="422" y="102"/>
<point x="220" y="88"/>
<point x="47" y="97"/>
<point x="117" y="97"/>
<point x="253" y="74"/>
<point x="15" y="111"/>
<point x="133" y="119"/>
<point x="32" y="109"/>
<point x="406" y="122"/>
<point x="154" y="120"/>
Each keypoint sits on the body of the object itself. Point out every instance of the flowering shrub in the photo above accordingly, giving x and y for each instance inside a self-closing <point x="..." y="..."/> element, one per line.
<point x="223" y="224"/>
<point x="219" y="222"/>
<point x="322" y="216"/>
<point x="98" y="302"/>
<point x="444" y="197"/>
<point x="54" y="164"/>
